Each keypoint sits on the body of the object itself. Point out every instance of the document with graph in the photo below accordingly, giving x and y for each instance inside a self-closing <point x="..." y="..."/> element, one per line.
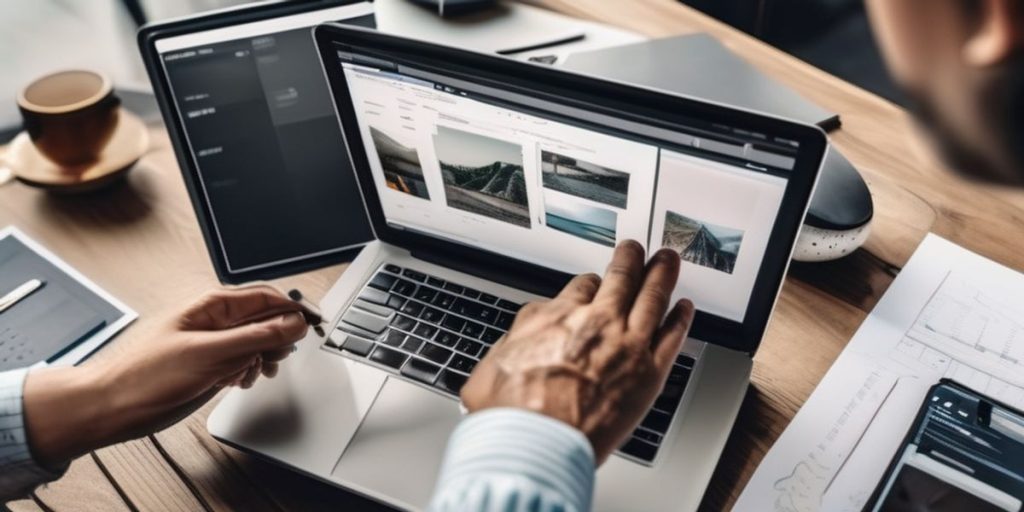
<point x="950" y="313"/>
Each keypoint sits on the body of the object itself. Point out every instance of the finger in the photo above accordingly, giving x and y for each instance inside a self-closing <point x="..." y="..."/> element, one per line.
<point x="670" y="337"/>
<point x="655" y="293"/>
<point x="269" y="370"/>
<point x="267" y="335"/>
<point x="252" y="374"/>
<point x="278" y="354"/>
<point x="581" y="289"/>
<point x="233" y="379"/>
<point x="224" y="309"/>
<point x="623" y="276"/>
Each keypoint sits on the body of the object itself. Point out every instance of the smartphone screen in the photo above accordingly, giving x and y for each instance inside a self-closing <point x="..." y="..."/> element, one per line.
<point x="963" y="452"/>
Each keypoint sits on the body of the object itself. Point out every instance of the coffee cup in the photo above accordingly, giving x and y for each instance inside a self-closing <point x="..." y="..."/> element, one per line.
<point x="70" y="116"/>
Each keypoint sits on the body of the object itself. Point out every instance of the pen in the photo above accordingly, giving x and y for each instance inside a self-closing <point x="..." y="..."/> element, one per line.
<point x="309" y="311"/>
<point x="19" y="293"/>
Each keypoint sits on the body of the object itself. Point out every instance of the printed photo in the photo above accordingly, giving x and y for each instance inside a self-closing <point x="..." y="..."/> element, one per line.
<point x="401" y="164"/>
<point x="702" y="243"/>
<point x="587" y="222"/>
<point x="584" y="179"/>
<point x="483" y="175"/>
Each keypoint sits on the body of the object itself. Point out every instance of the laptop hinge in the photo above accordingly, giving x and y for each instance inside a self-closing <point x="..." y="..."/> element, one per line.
<point x="530" y="278"/>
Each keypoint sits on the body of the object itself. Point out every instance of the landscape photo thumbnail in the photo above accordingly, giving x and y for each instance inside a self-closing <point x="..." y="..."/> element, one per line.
<point x="584" y="221"/>
<point x="584" y="179"/>
<point x="401" y="164"/>
<point x="702" y="243"/>
<point x="483" y="175"/>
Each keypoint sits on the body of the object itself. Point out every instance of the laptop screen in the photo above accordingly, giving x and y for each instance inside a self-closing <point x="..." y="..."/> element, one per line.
<point x="559" y="186"/>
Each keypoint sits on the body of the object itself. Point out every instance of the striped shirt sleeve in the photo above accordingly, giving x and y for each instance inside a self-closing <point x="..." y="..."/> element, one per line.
<point x="511" y="460"/>
<point x="19" y="473"/>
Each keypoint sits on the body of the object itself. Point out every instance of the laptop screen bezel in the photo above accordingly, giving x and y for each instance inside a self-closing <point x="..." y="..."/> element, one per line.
<point x="575" y="89"/>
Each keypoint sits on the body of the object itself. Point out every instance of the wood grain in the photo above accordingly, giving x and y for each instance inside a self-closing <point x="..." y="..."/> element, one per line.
<point x="141" y="241"/>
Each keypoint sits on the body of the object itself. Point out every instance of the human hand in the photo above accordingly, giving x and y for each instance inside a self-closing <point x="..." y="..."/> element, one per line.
<point x="226" y="338"/>
<point x="594" y="357"/>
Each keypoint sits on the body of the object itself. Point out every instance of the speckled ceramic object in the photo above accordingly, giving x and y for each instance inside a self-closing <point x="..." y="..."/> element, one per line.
<point x="816" y="244"/>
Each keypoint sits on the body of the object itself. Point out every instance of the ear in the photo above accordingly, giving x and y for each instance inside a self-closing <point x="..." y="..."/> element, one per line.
<point x="998" y="33"/>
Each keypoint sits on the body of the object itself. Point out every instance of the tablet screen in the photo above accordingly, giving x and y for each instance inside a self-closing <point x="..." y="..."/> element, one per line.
<point x="262" y="133"/>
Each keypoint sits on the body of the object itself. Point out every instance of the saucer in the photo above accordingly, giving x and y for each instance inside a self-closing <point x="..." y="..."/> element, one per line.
<point x="128" y="143"/>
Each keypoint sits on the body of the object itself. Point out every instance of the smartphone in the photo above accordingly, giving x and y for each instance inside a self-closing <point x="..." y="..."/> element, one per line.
<point x="964" y="452"/>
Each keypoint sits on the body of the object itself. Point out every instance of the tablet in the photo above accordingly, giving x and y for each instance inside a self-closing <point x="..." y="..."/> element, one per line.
<point x="247" y="107"/>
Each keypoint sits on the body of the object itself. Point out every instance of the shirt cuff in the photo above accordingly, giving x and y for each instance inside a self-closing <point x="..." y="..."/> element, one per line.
<point x="19" y="472"/>
<point x="529" y="445"/>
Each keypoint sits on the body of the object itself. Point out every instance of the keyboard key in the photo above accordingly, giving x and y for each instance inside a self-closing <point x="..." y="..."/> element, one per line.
<point x="404" y="288"/>
<point x="432" y="315"/>
<point x="471" y="293"/>
<point x="462" y="363"/>
<point x="395" y="302"/>
<point x="425" y="294"/>
<point x="382" y="282"/>
<point x="376" y="309"/>
<point x="640" y="449"/>
<point x="443" y="300"/>
<point x="483" y="353"/>
<point x="357" y="346"/>
<point x="394" y="269"/>
<point x="450" y="381"/>
<point x="453" y="322"/>
<point x="447" y="339"/>
<point x="487" y="314"/>
<point x="647" y="435"/>
<point x="403" y="322"/>
<point x="509" y="305"/>
<point x="473" y="329"/>
<point x="491" y="336"/>
<point x="488" y="298"/>
<point x="414" y="275"/>
<point x="374" y="295"/>
<point x="678" y="375"/>
<point x="370" y="322"/>
<point x="425" y="331"/>
<point x="433" y="281"/>
<point x="418" y="369"/>
<point x="388" y="357"/>
<point x="657" y="421"/>
<point x="685" y="361"/>
<point x="469" y="347"/>
<point x="504" y="321"/>
<point x="466" y="307"/>
<point x="412" y="344"/>
<point x="435" y="353"/>
<point x="335" y="339"/>
<point x="412" y="308"/>
<point x="394" y="338"/>
<point x="351" y="329"/>
<point x="454" y="288"/>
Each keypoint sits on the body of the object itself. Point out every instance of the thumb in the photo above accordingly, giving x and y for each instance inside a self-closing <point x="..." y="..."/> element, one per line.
<point x="272" y="333"/>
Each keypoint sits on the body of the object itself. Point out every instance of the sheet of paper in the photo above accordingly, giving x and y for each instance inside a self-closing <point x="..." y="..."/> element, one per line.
<point x="950" y="313"/>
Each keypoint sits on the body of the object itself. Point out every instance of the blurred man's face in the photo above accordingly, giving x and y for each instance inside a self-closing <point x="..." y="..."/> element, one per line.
<point x="961" y="63"/>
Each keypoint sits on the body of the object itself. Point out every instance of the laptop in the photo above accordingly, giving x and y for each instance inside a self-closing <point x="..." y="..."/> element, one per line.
<point x="488" y="182"/>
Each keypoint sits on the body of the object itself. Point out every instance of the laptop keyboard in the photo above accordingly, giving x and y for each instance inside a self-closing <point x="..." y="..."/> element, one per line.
<point x="434" y="332"/>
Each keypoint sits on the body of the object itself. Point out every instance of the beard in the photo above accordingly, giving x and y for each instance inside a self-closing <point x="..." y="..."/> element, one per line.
<point x="999" y="102"/>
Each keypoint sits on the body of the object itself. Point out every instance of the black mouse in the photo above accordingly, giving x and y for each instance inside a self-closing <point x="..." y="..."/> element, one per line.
<point x="454" y="7"/>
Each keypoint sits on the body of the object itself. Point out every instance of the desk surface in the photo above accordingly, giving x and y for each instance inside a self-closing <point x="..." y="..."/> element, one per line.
<point x="141" y="241"/>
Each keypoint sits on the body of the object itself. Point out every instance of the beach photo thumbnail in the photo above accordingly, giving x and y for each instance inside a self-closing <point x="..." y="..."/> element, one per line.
<point x="583" y="179"/>
<point x="581" y="220"/>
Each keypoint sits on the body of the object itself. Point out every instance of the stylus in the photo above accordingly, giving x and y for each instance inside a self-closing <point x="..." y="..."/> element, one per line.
<point x="19" y="293"/>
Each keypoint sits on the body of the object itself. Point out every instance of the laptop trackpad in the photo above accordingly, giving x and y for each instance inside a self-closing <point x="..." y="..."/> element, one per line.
<point x="398" y="448"/>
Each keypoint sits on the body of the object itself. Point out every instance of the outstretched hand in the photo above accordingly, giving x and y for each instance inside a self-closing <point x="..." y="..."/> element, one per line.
<point x="597" y="355"/>
<point x="228" y="337"/>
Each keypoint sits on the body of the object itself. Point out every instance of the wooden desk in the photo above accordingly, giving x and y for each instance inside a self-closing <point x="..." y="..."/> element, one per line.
<point x="142" y="243"/>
